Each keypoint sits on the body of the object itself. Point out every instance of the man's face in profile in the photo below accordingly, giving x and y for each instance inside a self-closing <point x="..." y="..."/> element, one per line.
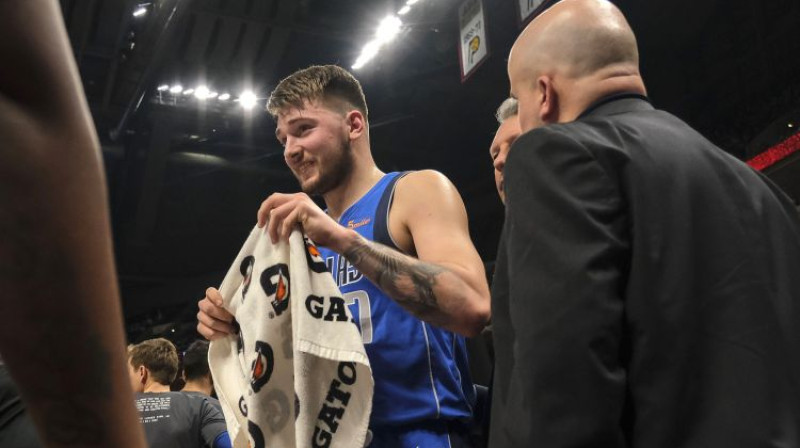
<point x="506" y="134"/>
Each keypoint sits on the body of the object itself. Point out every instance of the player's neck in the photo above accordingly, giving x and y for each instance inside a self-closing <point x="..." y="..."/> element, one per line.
<point x="155" y="387"/>
<point x="363" y="177"/>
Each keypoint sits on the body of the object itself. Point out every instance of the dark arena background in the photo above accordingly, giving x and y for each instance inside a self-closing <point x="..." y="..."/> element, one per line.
<point x="177" y="89"/>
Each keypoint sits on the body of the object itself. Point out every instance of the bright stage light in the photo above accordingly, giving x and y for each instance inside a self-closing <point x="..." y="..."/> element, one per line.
<point x="388" y="29"/>
<point x="248" y="99"/>
<point x="201" y="92"/>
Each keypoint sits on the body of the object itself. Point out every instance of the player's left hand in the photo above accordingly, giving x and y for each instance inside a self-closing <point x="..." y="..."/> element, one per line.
<point x="282" y="213"/>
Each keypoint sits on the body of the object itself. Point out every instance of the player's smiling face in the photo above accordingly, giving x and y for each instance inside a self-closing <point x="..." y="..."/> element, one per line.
<point x="316" y="146"/>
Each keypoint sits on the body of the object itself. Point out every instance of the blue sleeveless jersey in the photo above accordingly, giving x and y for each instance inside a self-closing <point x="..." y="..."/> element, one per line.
<point x="420" y="371"/>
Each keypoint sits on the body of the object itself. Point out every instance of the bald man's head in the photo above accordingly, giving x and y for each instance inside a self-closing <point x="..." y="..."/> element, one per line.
<point x="575" y="51"/>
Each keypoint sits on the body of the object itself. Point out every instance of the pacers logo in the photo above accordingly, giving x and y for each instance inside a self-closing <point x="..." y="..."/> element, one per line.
<point x="474" y="46"/>
<point x="262" y="366"/>
<point x="275" y="281"/>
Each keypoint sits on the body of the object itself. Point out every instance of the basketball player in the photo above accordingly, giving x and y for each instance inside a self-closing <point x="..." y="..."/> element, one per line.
<point x="399" y="249"/>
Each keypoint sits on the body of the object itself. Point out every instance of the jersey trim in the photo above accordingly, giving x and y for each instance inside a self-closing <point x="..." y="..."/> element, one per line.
<point x="430" y="369"/>
<point x="381" y="233"/>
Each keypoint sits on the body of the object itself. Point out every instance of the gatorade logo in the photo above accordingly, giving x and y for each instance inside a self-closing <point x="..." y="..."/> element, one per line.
<point x="314" y="258"/>
<point x="243" y="406"/>
<point x="275" y="281"/>
<point x="246" y="269"/>
<point x="335" y="405"/>
<point x="327" y="308"/>
<point x="256" y="435"/>
<point x="262" y="366"/>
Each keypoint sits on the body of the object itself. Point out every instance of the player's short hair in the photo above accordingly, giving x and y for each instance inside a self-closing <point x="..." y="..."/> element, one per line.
<point x="195" y="361"/>
<point x="159" y="356"/>
<point x="330" y="84"/>
<point x="507" y="109"/>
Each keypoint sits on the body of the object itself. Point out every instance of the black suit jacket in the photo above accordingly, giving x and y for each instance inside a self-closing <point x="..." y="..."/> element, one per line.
<point x="647" y="291"/>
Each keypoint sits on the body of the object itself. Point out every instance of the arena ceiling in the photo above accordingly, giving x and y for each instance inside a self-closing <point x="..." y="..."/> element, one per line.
<point x="186" y="177"/>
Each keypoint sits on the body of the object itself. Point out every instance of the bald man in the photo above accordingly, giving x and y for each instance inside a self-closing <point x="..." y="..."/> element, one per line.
<point x="506" y="134"/>
<point x="647" y="290"/>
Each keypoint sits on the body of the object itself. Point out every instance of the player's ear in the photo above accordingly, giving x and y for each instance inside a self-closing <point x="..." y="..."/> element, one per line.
<point x="356" y="124"/>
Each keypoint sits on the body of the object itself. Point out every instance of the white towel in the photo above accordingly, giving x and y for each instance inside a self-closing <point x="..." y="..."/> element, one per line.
<point x="297" y="375"/>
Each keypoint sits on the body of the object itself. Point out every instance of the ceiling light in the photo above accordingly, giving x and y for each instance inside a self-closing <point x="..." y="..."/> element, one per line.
<point x="248" y="99"/>
<point x="404" y="10"/>
<point x="411" y="2"/>
<point x="188" y="91"/>
<point x="140" y="11"/>
<point x="367" y="53"/>
<point x="388" y="29"/>
<point x="225" y="97"/>
<point x="201" y="92"/>
<point x="176" y="89"/>
<point x="163" y="87"/>
<point x="212" y="95"/>
<point x="791" y="125"/>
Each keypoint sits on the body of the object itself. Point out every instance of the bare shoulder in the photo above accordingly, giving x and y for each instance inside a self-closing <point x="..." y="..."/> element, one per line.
<point x="427" y="195"/>
<point x="426" y="200"/>
<point x="424" y="186"/>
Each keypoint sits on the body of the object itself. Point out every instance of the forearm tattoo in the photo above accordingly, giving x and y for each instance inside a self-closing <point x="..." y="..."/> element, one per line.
<point x="408" y="281"/>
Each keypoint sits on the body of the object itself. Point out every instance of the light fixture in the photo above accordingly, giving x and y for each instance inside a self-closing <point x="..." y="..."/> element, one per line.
<point x="225" y="97"/>
<point x="201" y="92"/>
<point x="790" y="125"/>
<point x="404" y="10"/>
<point x="176" y="89"/>
<point x="140" y="11"/>
<point x="367" y="53"/>
<point x="188" y="91"/>
<point x="388" y="29"/>
<point x="411" y="2"/>
<point x="212" y="95"/>
<point x="163" y="87"/>
<point x="248" y="99"/>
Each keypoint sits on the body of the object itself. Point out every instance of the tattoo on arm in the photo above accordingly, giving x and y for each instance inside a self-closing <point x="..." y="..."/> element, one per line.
<point x="408" y="281"/>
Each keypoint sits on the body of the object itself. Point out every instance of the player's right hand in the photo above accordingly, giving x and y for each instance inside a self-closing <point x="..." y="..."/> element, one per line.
<point x="213" y="321"/>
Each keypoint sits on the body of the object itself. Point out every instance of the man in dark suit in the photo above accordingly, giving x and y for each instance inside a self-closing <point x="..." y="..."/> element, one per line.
<point x="648" y="284"/>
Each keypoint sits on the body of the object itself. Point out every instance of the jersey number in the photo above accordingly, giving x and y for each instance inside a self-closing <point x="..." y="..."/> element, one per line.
<point x="361" y="298"/>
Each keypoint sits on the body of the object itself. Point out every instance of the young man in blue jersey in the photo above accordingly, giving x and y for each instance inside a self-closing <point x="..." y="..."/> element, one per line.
<point x="397" y="245"/>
